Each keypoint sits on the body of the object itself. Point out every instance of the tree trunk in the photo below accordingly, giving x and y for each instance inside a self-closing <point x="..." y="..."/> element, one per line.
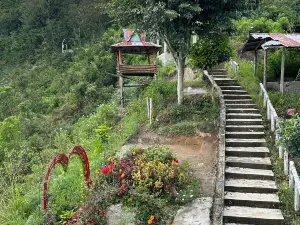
<point x="180" y="64"/>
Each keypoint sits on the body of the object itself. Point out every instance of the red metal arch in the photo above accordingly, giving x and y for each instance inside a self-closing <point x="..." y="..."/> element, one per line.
<point x="64" y="161"/>
<point x="58" y="159"/>
<point x="78" y="150"/>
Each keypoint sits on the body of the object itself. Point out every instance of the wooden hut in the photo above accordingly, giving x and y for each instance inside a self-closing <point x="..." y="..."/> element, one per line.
<point x="135" y="44"/>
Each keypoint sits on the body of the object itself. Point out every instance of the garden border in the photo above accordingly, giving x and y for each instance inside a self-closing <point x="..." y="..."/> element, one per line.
<point x="218" y="199"/>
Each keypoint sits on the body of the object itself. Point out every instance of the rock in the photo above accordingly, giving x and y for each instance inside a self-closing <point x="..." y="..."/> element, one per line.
<point x="117" y="215"/>
<point x="195" y="213"/>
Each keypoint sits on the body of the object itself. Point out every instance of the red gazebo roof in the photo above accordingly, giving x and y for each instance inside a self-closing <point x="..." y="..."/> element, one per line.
<point x="135" y="44"/>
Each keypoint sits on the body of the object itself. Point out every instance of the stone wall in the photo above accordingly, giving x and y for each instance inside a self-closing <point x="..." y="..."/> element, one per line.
<point x="292" y="86"/>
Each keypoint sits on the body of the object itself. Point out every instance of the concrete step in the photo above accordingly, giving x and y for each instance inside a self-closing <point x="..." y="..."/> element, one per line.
<point x="246" y="128"/>
<point x="231" y="87"/>
<point x="252" y="200"/>
<point x="248" y="151"/>
<point x="242" y="110"/>
<point x="219" y="76"/>
<point x="228" y="82"/>
<point x="240" y="106"/>
<point x="239" y="142"/>
<point x="217" y="69"/>
<point x="250" y="186"/>
<point x="243" y="116"/>
<point x="242" y="214"/>
<point x="249" y="162"/>
<point x="248" y="173"/>
<point x="239" y="96"/>
<point x="245" y="135"/>
<point x="234" y="92"/>
<point x="244" y="122"/>
<point x="238" y="101"/>
<point x="218" y="72"/>
<point x="237" y="224"/>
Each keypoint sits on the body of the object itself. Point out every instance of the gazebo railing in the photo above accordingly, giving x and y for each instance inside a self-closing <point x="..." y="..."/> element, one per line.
<point x="137" y="69"/>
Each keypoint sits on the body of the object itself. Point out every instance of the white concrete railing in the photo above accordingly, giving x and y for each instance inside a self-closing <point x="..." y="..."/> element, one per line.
<point x="289" y="166"/>
<point x="234" y="66"/>
<point x="294" y="182"/>
<point x="271" y="112"/>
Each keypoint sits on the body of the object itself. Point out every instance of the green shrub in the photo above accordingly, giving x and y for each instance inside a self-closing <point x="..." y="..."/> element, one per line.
<point x="289" y="132"/>
<point x="292" y="63"/>
<point x="210" y="51"/>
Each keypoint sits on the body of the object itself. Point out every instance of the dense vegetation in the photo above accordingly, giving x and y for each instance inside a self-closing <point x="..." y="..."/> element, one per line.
<point x="50" y="101"/>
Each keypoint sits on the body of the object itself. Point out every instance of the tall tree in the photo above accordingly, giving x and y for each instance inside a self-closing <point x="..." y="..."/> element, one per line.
<point x="175" y="20"/>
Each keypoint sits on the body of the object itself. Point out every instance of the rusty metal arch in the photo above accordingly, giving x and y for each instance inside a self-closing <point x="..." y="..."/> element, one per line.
<point x="64" y="161"/>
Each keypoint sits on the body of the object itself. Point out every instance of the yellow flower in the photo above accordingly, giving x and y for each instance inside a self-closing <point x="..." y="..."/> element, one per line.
<point x="120" y="170"/>
<point x="149" y="221"/>
<point x="81" y="169"/>
<point x="133" y="153"/>
<point x="152" y="217"/>
<point x="97" y="171"/>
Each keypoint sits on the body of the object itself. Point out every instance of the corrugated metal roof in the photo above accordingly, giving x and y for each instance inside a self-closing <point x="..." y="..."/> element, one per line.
<point x="263" y="40"/>
<point x="270" y="44"/>
<point x="135" y="44"/>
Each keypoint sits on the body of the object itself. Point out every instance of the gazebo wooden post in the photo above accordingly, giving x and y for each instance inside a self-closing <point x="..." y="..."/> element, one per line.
<point x="121" y="80"/>
<point x="282" y="70"/>
<point x="255" y="63"/>
<point x="121" y="84"/>
<point x="265" y="68"/>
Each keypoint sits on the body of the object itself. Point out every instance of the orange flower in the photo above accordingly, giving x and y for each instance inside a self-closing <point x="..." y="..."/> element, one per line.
<point x="97" y="171"/>
<point x="123" y="175"/>
<point x="151" y="217"/>
<point x="149" y="221"/>
<point x="142" y="164"/>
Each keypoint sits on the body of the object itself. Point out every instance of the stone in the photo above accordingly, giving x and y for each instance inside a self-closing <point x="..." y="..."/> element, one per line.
<point x="195" y="213"/>
<point x="116" y="215"/>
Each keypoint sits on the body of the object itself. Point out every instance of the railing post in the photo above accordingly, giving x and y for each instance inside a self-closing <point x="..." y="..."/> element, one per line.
<point x="281" y="151"/>
<point x="291" y="178"/>
<point x="272" y="123"/>
<point x="296" y="200"/>
<point x="265" y="99"/>
<point x="268" y="110"/>
<point x="286" y="162"/>
<point x="260" y="91"/>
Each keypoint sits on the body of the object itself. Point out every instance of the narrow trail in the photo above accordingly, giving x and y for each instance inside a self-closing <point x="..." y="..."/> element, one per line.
<point x="250" y="190"/>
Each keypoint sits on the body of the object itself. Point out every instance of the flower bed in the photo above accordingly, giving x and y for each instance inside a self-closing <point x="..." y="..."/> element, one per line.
<point x="151" y="182"/>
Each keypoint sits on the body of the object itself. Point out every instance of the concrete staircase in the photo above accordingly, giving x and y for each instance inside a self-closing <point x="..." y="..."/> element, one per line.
<point x="250" y="189"/>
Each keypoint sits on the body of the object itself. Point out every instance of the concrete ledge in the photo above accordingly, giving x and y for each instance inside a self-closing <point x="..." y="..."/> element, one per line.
<point x="218" y="201"/>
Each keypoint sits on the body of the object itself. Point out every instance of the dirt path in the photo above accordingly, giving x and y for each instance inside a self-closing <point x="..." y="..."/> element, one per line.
<point x="200" y="150"/>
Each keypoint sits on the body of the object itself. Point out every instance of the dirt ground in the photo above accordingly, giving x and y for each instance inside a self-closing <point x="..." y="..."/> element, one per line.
<point x="200" y="150"/>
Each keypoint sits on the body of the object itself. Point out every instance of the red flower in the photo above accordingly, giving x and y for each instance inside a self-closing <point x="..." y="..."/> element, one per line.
<point x="111" y="166"/>
<point x="105" y="170"/>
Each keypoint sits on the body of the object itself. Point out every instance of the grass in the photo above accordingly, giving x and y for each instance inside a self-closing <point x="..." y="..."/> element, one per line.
<point x="196" y="114"/>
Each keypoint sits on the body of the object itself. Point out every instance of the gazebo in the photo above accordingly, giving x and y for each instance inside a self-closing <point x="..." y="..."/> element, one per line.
<point x="134" y="44"/>
<point x="265" y="41"/>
